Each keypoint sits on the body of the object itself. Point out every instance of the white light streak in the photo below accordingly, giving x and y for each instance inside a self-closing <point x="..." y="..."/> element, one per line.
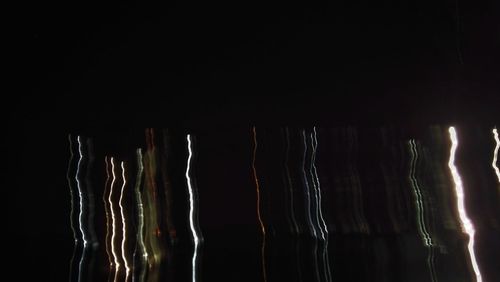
<point x="113" y="217"/>
<point x="191" y="210"/>
<point x="466" y="223"/>
<point x="124" y="223"/>
<point x="80" y="192"/>
<point x="495" y="154"/>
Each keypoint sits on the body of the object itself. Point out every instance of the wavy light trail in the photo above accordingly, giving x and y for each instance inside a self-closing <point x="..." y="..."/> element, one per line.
<point x="196" y="237"/>
<point x="124" y="223"/>
<point x="113" y="222"/>
<point x="259" y="217"/>
<point x="495" y="154"/>
<point x="466" y="223"/>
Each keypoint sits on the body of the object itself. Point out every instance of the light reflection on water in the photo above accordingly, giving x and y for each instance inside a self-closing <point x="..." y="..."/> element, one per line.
<point x="294" y="204"/>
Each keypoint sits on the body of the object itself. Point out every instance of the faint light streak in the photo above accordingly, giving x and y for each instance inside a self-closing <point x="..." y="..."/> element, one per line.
<point x="71" y="189"/>
<point x="113" y="217"/>
<point x="326" y="262"/>
<point x="259" y="217"/>
<point x="307" y="193"/>
<point x="191" y="210"/>
<point x="106" y="209"/>
<point x="495" y="154"/>
<point x="140" y="214"/>
<point x="314" y="145"/>
<point x="316" y="195"/>
<point x="311" y="209"/>
<point x="72" y="211"/>
<point x="295" y="226"/>
<point x="466" y="223"/>
<point x="140" y="207"/>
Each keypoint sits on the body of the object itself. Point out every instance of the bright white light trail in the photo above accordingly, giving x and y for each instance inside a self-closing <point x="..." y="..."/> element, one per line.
<point x="124" y="223"/>
<point x="196" y="239"/>
<point x="466" y="223"/>
<point x="495" y="154"/>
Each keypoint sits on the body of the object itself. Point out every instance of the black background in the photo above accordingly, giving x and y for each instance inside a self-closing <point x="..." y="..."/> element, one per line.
<point x="109" y="70"/>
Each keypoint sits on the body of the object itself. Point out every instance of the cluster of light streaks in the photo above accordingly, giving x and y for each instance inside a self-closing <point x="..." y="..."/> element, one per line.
<point x="466" y="223"/>
<point x="140" y="235"/>
<point x="82" y="207"/>
<point x="495" y="154"/>
<point x="319" y="210"/>
<point x="311" y="201"/>
<point x="259" y="216"/>
<point x="421" y="212"/>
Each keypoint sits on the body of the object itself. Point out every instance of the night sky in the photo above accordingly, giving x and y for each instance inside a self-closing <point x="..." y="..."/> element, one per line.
<point x="108" y="71"/>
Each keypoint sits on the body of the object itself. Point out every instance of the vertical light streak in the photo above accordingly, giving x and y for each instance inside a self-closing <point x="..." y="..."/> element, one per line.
<point x="71" y="189"/>
<point x="315" y="191"/>
<point x="72" y="211"/>
<point x="418" y="197"/>
<point x="326" y="262"/>
<point x="306" y="188"/>
<point x="311" y="208"/>
<point x="113" y="222"/>
<point x="80" y="192"/>
<point x="108" y="218"/>
<point x="80" y="216"/>
<point x="259" y="217"/>
<point x="124" y="223"/>
<point x="295" y="226"/>
<point x="466" y="223"/>
<point x="495" y="154"/>
<point x="424" y="234"/>
<point x="140" y="211"/>
<point x="314" y="144"/>
<point x="93" y="242"/>
<point x="196" y="240"/>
